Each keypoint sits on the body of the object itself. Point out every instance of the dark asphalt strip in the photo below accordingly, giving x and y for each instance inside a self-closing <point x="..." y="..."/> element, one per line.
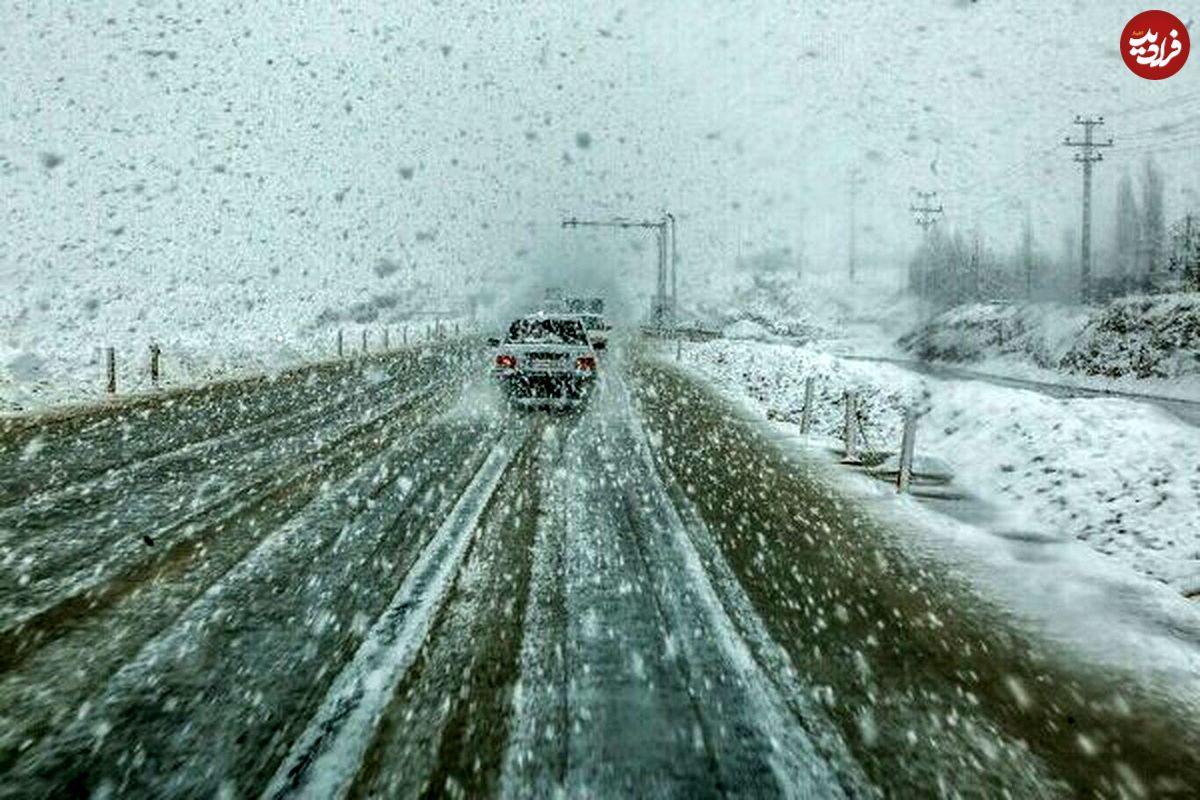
<point x="934" y="691"/>
<point x="354" y="544"/>
<point x="633" y="681"/>
<point x="74" y="506"/>
<point x="445" y="731"/>
<point x="40" y="454"/>
<point x="214" y="703"/>
<point x="40" y="696"/>
<point x="279" y="485"/>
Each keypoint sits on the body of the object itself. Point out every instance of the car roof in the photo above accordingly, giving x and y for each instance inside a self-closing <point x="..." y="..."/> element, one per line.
<point x="542" y="315"/>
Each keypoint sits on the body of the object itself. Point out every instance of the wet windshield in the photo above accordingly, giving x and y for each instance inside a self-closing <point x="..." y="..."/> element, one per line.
<point x="599" y="399"/>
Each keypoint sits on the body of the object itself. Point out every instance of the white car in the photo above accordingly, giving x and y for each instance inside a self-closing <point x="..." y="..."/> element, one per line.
<point x="597" y="330"/>
<point x="546" y="357"/>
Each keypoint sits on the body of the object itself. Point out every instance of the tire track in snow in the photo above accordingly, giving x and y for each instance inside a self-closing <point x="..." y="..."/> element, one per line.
<point x="199" y="645"/>
<point x="48" y="506"/>
<point x="124" y="569"/>
<point x="326" y="757"/>
<point x="536" y="756"/>
<point x="646" y="686"/>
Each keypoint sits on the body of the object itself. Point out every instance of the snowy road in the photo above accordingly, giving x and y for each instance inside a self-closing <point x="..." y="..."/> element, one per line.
<point x="376" y="580"/>
<point x="1186" y="410"/>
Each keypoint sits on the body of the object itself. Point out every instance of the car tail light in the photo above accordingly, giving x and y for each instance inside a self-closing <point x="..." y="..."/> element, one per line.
<point x="585" y="362"/>
<point x="506" y="361"/>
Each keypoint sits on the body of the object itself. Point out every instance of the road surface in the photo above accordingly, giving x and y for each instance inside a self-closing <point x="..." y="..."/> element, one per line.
<point x="375" y="579"/>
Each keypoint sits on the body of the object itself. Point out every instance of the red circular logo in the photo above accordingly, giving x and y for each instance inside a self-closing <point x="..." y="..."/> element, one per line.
<point x="1155" y="45"/>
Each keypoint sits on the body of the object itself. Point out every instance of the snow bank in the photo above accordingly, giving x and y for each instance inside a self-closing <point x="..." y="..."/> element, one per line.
<point x="1147" y="337"/>
<point x="1135" y="338"/>
<point x="72" y="370"/>
<point x="759" y="305"/>
<point x="1123" y="477"/>
<point x="789" y="304"/>
<point x="1041" y="334"/>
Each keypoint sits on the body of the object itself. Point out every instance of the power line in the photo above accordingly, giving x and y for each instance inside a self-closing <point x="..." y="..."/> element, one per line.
<point x="925" y="215"/>
<point x="1087" y="155"/>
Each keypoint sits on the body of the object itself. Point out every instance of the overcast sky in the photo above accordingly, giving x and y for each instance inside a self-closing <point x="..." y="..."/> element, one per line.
<point x="146" y="148"/>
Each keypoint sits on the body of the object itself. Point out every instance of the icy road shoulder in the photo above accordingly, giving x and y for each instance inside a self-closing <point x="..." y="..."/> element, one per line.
<point x="1121" y="476"/>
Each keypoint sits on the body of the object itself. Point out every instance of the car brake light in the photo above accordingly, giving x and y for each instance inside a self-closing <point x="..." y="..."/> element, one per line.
<point x="506" y="361"/>
<point x="585" y="362"/>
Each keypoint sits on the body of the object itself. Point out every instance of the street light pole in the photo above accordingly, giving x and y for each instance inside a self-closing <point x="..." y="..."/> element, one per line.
<point x="664" y="305"/>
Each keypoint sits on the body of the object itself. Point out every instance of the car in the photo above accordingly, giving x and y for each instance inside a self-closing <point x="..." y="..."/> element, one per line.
<point x="597" y="330"/>
<point x="545" y="358"/>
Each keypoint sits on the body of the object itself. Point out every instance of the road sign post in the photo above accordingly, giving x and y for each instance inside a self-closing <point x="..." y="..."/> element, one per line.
<point x="850" y="430"/>
<point x="155" y="352"/>
<point x="110" y="369"/>
<point x="806" y="412"/>
<point x="907" y="444"/>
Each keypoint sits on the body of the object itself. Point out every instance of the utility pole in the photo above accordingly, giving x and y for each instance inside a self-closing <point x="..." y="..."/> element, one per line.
<point x="663" y="307"/>
<point x="674" y="275"/>
<point x="1087" y="155"/>
<point x="925" y="216"/>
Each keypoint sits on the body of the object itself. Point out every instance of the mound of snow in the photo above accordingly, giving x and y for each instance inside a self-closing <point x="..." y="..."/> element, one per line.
<point x="747" y="329"/>
<point x="779" y="304"/>
<point x="1135" y="337"/>
<point x="1118" y="475"/>
<point x="1040" y="333"/>
<point x="1146" y="337"/>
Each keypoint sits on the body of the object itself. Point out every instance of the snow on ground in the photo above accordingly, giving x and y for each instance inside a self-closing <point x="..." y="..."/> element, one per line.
<point x="72" y="370"/>
<point x="1121" y="476"/>
<point x="1146" y="344"/>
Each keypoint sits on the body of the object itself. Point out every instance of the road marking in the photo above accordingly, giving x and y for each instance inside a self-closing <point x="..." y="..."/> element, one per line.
<point x="326" y="757"/>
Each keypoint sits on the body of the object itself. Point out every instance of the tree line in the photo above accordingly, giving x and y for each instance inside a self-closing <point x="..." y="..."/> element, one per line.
<point x="1138" y="253"/>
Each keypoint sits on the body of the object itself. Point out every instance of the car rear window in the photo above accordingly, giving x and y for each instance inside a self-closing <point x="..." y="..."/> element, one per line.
<point x="558" y="331"/>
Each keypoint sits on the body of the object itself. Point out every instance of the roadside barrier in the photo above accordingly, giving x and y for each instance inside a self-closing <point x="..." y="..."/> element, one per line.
<point x="854" y="433"/>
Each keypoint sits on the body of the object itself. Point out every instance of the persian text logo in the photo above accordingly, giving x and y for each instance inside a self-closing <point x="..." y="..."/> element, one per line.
<point x="1155" y="45"/>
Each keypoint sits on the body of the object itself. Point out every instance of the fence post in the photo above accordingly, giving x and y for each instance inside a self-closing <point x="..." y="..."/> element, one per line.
<point x="907" y="443"/>
<point x="851" y="429"/>
<point x="110" y="369"/>
<point x="678" y="349"/>
<point x="456" y="329"/>
<point x="339" y="343"/>
<point x="404" y="334"/>
<point x="806" y="412"/>
<point x="364" y="344"/>
<point x="386" y="343"/>
<point x="155" y="352"/>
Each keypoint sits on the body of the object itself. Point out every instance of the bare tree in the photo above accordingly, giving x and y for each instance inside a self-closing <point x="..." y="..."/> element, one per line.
<point x="1129" y="229"/>
<point x="1153" y="220"/>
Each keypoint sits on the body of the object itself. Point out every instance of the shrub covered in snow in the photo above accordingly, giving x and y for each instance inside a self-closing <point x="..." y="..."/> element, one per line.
<point x="771" y="303"/>
<point x="1037" y="333"/>
<point x="1141" y="337"/>
<point x="1147" y="337"/>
